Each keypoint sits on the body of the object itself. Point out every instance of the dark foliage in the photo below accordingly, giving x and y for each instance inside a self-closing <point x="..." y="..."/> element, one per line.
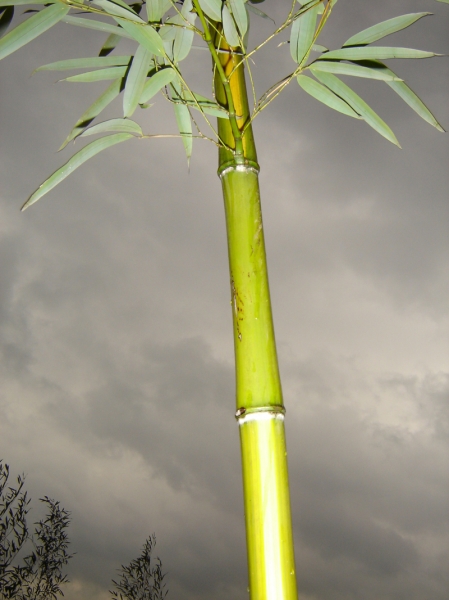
<point x="38" y="573"/>
<point x="38" y="576"/>
<point x="140" y="580"/>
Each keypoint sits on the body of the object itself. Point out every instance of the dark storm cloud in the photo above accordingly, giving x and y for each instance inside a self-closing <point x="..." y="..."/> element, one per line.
<point x="369" y="493"/>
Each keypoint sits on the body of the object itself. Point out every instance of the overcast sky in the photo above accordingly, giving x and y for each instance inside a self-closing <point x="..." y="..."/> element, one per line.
<point x="117" y="384"/>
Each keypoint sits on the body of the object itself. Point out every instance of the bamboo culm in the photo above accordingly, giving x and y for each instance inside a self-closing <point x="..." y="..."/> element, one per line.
<point x="259" y="402"/>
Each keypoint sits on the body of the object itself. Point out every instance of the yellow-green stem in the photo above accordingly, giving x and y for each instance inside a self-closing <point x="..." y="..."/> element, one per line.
<point x="260" y="410"/>
<point x="224" y="81"/>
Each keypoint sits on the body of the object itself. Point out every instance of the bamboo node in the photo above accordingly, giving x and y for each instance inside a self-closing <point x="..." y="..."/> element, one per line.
<point x="247" y="167"/>
<point x="260" y="413"/>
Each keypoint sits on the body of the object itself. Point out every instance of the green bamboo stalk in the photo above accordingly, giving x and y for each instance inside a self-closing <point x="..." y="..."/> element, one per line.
<point x="260" y="408"/>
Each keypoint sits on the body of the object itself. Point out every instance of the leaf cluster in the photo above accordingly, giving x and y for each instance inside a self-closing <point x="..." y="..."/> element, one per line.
<point x="164" y="32"/>
<point x="39" y="575"/>
<point x="141" y="579"/>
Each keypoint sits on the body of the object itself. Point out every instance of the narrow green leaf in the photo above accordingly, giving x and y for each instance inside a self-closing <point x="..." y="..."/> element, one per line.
<point x="184" y="35"/>
<point x="185" y="128"/>
<point x="258" y="12"/>
<point x="125" y="5"/>
<point x="340" y="68"/>
<point x="319" y="48"/>
<point x="7" y="13"/>
<point x="120" y="125"/>
<point x="208" y="106"/>
<point x="156" y="83"/>
<point x="303" y="31"/>
<point x="376" y="32"/>
<point x="409" y="96"/>
<point x="212" y="8"/>
<point x="118" y="11"/>
<point x="135" y="80"/>
<point x="376" y="53"/>
<point x="21" y="2"/>
<point x="182" y="44"/>
<point x="31" y="28"/>
<point x="94" y="110"/>
<point x="168" y="47"/>
<point x="156" y="9"/>
<point x="146" y="35"/>
<point x="359" y="105"/>
<point x="445" y="1"/>
<point x="83" y="63"/>
<point x="414" y="102"/>
<point x="97" y="25"/>
<point x="110" y="44"/>
<point x="168" y="31"/>
<point x="239" y="13"/>
<point x="73" y="163"/>
<point x="229" y="28"/>
<point x="100" y="75"/>
<point x="204" y="105"/>
<point x="326" y="96"/>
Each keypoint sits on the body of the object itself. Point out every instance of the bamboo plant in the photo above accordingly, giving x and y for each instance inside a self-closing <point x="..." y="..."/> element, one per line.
<point x="164" y="32"/>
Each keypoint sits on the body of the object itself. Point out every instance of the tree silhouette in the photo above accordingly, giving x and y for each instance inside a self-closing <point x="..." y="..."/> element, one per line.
<point x="39" y="574"/>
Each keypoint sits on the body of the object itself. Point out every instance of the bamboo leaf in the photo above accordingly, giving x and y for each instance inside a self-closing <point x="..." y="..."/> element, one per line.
<point x="31" y="28"/>
<point x="303" y="31"/>
<point x="240" y="15"/>
<point x="359" y="105"/>
<point x="118" y="11"/>
<point x="212" y="8"/>
<point x="229" y="28"/>
<point x="340" y="68"/>
<point x="258" y="12"/>
<point x="82" y="63"/>
<point x="22" y="2"/>
<point x="7" y="13"/>
<point x="156" y="9"/>
<point x="100" y="75"/>
<point x="326" y="96"/>
<point x="182" y="44"/>
<point x="376" y="53"/>
<point x="110" y="44"/>
<point x="120" y="125"/>
<point x="97" y="25"/>
<point x="409" y="96"/>
<point x="73" y="163"/>
<point x="185" y="128"/>
<point x="376" y="32"/>
<point x="184" y="35"/>
<point x="156" y="83"/>
<point x="135" y="6"/>
<point x="208" y="106"/>
<point x="136" y="80"/>
<point x="121" y="3"/>
<point x="94" y="110"/>
<point x="146" y="35"/>
<point x="198" y="102"/>
<point x="445" y="1"/>
<point x="167" y="31"/>
<point x="414" y="102"/>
